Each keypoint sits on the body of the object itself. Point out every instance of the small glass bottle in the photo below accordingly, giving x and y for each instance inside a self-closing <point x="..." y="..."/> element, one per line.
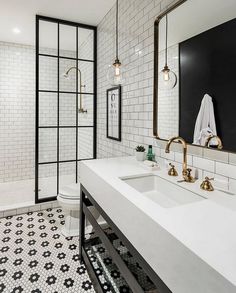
<point x="150" y="155"/>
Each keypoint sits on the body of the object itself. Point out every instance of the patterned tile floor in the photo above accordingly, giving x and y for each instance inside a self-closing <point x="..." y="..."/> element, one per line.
<point x="36" y="258"/>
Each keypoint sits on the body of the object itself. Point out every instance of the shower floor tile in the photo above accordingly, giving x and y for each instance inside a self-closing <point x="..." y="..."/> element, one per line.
<point x="36" y="258"/>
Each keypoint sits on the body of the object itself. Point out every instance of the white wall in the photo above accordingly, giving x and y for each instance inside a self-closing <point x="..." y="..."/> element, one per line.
<point x="17" y="112"/>
<point x="136" y="53"/>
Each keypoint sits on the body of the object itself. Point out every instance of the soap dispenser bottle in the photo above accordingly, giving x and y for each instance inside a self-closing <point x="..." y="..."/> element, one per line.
<point x="150" y="155"/>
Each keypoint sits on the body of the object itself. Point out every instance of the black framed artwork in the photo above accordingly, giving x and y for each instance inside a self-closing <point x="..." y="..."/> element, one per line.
<point x="114" y="113"/>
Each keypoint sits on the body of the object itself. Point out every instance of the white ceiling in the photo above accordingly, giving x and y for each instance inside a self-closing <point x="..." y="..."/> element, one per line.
<point x="20" y="14"/>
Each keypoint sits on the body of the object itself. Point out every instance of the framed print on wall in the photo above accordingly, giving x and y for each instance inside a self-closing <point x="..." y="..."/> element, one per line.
<point x="114" y="113"/>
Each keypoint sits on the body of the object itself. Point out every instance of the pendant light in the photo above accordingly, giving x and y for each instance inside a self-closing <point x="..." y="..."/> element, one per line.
<point x="114" y="73"/>
<point x="168" y="78"/>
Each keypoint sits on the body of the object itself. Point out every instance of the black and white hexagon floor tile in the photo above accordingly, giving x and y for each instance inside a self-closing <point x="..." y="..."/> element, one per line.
<point x="36" y="258"/>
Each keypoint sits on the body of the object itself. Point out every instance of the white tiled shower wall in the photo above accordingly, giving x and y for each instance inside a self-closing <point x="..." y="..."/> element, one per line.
<point x="17" y="111"/>
<point x="136" y="25"/>
<point x="17" y="104"/>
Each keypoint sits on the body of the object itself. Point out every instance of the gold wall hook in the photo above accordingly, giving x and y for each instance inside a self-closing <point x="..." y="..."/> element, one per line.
<point x="206" y="184"/>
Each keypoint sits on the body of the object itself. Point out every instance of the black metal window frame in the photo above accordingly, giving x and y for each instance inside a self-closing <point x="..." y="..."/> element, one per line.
<point x="58" y="92"/>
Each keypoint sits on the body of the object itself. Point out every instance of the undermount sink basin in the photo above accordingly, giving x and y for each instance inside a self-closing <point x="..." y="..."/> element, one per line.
<point x="162" y="191"/>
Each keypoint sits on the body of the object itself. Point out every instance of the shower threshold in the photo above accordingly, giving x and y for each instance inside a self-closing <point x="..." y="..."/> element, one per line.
<point x="18" y="196"/>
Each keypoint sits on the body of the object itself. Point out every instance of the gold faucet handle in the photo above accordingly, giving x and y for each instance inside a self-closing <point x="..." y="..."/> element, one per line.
<point x="172" y="171"/>
<point x="206" y="184"/>
<point x="188" y="177"/>
<point x="189" y="172"/>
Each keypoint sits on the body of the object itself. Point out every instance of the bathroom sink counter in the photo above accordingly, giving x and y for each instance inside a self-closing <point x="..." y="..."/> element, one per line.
<point x="192" y="247"/>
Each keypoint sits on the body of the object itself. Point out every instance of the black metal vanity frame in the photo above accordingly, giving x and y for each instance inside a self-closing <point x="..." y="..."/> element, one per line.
<point x="87" y="200"/>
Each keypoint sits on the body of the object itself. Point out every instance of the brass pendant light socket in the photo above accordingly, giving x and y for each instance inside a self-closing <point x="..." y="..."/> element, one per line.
<point x="117" y="62"/>
<point x="166" y="69"/>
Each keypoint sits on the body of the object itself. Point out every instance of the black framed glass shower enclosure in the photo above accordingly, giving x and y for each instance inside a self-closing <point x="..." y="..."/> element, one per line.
<point x="66" y="76"/>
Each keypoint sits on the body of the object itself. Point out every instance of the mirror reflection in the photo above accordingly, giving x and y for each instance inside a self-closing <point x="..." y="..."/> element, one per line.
<point x="199" y="105"/>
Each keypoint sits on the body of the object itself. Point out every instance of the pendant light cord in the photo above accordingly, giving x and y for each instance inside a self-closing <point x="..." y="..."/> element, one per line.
<point x="166" y="39"/>
<point x="117" y="15"/>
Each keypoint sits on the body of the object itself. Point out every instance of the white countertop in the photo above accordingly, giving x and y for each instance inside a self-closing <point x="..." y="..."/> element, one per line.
<point x="206" y="228"/>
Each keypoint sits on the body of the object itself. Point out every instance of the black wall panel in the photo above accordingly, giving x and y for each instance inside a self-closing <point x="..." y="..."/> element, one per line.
<point x="208" y="65"/>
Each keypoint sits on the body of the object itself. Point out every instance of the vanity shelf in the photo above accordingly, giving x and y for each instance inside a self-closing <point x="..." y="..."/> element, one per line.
<point x="113" y="264"/>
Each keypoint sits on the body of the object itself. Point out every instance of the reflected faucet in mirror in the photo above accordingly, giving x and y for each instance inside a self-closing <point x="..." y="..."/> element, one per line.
<point x="217" y="138"/>
<point x="186" y="171"/>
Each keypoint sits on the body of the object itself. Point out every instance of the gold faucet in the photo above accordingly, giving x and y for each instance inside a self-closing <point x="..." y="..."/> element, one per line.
<point x="219" y="146"/>
<point x="186" y="171"/>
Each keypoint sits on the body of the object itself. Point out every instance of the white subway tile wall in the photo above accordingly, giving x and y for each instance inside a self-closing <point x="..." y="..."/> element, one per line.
<point x="136" y="45"/>
<point x="17" y="110"/>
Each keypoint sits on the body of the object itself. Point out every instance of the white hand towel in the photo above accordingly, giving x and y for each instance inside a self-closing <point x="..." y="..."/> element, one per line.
<point x="205" y="121"/>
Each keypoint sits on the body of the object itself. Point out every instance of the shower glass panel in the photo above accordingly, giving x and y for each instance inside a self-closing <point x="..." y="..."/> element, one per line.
<point x="87" y="104"/>
<point x="67" y="110"/>
<point x="85" y="148"/>
<point x="68" y="82"/>
<point x="65" y="103"/>
<point x="48" y="38"/>
<point x="85" y="44"/>
<point x="86" y="69"/>
<point x="67" y="173"/>
<point x="67" y="142"/>
<point x="47" y="73"/>
<point x="47" y="180"/>
<point x="47" y="109"/>
<point x="47" y="145"/>
<point x="68" y="41"/>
